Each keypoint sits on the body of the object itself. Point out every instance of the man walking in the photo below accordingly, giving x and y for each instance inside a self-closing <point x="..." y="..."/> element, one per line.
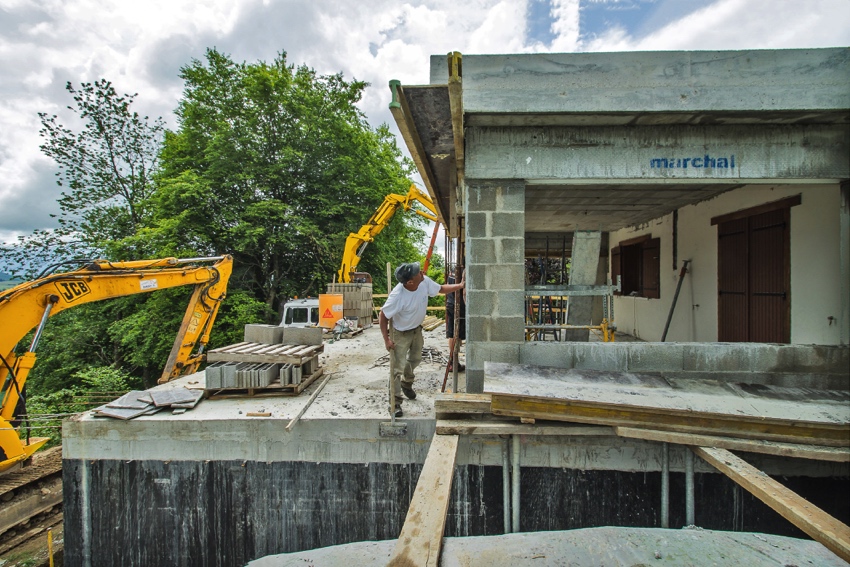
<point x="406" y="306"/>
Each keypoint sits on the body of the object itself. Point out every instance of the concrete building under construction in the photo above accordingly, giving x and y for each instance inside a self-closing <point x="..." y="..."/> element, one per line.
<point x="703" y="202"/>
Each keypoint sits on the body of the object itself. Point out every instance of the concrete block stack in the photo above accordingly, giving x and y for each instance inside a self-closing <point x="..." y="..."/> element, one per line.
<point x="356" y="301"/>
<point x="265" y="334"/>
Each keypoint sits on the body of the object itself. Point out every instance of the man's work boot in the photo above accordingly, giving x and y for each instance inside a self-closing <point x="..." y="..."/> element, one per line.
<point x="408" y="391"/>
<point x="398" y="412"/>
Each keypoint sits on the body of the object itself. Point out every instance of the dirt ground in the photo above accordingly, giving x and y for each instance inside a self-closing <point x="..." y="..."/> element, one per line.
<point x="360" y="371"/>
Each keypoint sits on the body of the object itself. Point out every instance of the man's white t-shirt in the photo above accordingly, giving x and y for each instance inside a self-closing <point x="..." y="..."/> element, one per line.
<point x="407" y="308"/>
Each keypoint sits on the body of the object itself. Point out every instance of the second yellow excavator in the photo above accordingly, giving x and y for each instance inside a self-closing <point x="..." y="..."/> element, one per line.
<point x="29" y="305"/>
<point x="356" y="242"/>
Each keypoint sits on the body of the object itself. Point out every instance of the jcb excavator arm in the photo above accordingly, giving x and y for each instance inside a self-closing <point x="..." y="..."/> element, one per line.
<point x="30" y="304"/>
<point x="356" y="242"/>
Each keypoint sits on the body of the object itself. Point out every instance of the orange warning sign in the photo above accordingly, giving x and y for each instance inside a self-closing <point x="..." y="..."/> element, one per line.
<point x="330" y="306"/>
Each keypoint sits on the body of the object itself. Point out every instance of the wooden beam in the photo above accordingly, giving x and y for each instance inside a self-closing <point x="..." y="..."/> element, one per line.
<point x="421" y="536"/>
<point x="470" y="427"/>
<point x="835" y="454"/>
<point x="819" y="525"/>
<point x="664" y="419"/>
<point x="462" y="403"/>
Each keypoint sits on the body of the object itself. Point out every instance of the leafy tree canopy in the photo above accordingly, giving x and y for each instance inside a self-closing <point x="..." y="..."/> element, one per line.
<point x="277" y="165"/>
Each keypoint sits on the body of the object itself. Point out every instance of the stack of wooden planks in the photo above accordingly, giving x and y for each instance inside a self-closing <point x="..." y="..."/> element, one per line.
<point x="709" y="416"/>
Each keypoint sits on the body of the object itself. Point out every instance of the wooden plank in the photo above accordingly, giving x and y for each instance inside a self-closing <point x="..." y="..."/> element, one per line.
<point x="672" y="394"/>
<point x="421" y="537"/>
<point x="599" y="413"/>
<point x="819" y="525"/>
<point x="470" y="427"/>
<point x="462" y="403"/>
<point x="835" y="454"/>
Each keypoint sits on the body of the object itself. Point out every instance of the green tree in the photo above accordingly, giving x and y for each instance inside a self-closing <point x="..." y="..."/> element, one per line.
<point x="106" y="169"/>
<point x="276" y="165"/>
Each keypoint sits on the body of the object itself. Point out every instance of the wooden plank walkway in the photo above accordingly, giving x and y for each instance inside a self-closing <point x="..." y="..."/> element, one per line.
<point x="421" y="537"/>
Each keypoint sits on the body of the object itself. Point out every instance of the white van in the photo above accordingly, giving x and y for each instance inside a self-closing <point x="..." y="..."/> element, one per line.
<point x="301" y="313"/>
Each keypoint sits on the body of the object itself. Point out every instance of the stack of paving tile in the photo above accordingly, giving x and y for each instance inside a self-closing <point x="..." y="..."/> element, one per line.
<point x="143" y="402"/>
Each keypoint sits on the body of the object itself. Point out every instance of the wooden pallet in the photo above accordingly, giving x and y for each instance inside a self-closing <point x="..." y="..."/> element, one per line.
<point x="273" y="389"/>
<point x="259" y="352"/>
<point x="430" y="323"/>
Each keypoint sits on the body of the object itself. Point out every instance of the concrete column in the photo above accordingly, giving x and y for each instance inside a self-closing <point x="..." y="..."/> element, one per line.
<point x="495" y="275"/>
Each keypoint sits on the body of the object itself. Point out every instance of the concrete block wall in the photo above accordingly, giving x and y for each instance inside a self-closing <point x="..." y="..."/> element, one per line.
<point x="264" y="334"/>
<point x="495" y="273"/>
<point x="302" y="335"/>
<point x="809" y="366"/>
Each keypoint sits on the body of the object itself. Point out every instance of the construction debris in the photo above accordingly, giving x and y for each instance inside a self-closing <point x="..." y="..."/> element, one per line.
<point x="430" y="355"/>
<point x="142" y="402"/>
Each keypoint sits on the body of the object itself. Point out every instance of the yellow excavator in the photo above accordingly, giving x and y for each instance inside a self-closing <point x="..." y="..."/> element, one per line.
<point x="29" y="305"/>
<point x="356" y="242"/>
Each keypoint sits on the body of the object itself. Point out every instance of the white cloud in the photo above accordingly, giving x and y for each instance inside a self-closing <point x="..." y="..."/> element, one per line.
<point x="140" y="47"/>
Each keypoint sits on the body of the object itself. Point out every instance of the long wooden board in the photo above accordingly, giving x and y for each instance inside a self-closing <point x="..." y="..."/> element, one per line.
<point x="259" y="352"/>
<point x="819" y="525"/>
<point x="835" y="454"/>
<point x="653" y="401"/>
<point x="617" y="415"/>
<point x="460" y="403"/>
<point x="421" y="537"/>
<point x="472" y="427"/>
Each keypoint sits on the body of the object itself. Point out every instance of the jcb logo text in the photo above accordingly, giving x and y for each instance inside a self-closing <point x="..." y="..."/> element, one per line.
<point x="72" y="291"/>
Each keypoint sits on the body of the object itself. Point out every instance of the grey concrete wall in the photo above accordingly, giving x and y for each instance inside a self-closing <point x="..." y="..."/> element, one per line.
<point x="226" y="513"/>
<point x="495" y="272"/>
<point x="799" y="366"/>
<point x="767" y="152"/>
<point x="662" y="81"/>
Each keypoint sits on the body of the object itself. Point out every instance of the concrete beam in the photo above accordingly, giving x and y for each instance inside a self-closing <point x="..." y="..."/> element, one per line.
<point x="721" y="154"/>
<point x="659" y="82"/>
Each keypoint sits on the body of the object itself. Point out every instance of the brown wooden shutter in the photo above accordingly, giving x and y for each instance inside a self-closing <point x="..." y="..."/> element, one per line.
<point x="732" y="282"/>
<point x="651" y="269"/>
<point x="769" y="281"/>
<point x="616" y="267"/>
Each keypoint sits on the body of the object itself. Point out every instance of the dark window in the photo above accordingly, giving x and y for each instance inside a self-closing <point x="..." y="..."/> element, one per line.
<point x="638" y="263"/>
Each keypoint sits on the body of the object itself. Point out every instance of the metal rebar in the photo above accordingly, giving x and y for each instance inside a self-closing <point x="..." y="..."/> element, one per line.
<point x="506" y="484"/>
<point x="515" y="482"/>
<point x="689" y="487"/>
<point x="665" y="485"/>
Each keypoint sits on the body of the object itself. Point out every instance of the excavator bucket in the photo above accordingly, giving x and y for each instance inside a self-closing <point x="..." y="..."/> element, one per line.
<point x="13" y="449"/>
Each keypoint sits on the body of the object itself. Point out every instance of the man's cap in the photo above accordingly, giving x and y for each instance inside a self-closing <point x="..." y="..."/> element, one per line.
<point x="406" y="272"/>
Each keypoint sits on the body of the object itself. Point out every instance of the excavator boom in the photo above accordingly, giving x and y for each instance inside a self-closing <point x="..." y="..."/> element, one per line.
<point x="29" y="305"/>
<point x="356" y="242"/>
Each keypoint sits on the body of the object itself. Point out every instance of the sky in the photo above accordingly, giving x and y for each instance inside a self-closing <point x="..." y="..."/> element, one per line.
<point x="141" y="45"/>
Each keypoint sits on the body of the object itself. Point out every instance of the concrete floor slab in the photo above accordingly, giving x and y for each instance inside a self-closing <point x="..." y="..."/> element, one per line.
<point x="586" y="547"/>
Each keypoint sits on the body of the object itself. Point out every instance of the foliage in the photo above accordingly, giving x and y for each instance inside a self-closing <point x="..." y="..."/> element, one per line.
<point x="276" y="165"/>
<point x="47" y="410"/>
<point x="271" y="163"/>
<point x="106" y="170"/>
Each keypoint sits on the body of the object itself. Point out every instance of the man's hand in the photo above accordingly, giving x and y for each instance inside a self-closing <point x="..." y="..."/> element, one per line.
<point x="389" y="343"/>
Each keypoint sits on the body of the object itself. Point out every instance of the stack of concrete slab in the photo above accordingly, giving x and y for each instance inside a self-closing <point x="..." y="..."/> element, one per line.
<point x="222" y="375"/>
<point x="291" y="374"/>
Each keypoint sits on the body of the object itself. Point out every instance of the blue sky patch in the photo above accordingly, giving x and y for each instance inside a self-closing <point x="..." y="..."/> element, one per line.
<point x="637" y="17"/>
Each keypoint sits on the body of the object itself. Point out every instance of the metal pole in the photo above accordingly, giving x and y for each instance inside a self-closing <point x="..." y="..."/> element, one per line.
<point x="51" y="301"/>
<point x="682" y="273"/>
<point x="689" y="487"/>
<point x="515" y="482"/>
<point x="506" y="484"/>
<point x="665" y="485"/>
